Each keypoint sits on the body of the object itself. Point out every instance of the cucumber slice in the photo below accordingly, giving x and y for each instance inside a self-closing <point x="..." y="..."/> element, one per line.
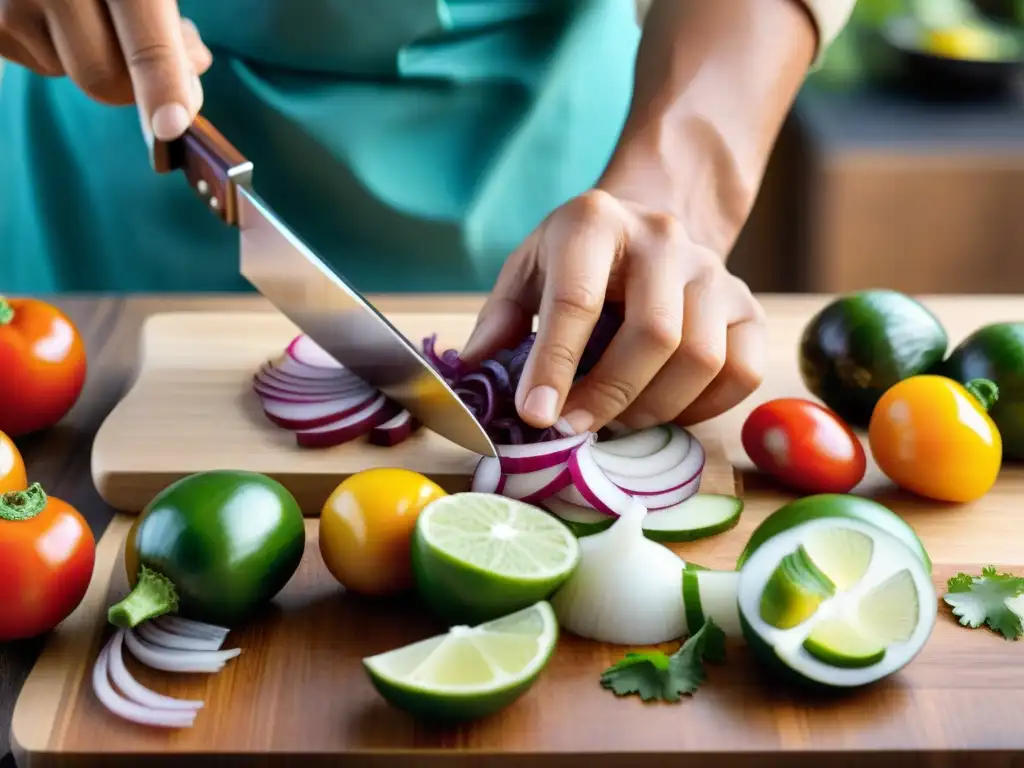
<point x="868" y="630"/>
<point x="843" y="643"/>
<point x="580" y="520"/>
<point x="711" y="595"/>
<point x="701" y="515"/>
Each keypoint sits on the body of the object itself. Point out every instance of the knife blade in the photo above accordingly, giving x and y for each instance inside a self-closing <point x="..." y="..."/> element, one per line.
<point x="311" y="293"/>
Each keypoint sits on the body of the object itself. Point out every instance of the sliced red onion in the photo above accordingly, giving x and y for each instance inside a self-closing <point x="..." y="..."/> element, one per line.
<point x="657" y="463"/>
<point x="310" y="354"/>
<point x="394" y="430"/>
<point x="682" y="473"/>
<point x="303" y="416"/>
<point x="659" y="501"/>
<point x="487" y="477"/>
<point x="534" y="487"/>
<point x="180" y="625"/>
<point x="133" y="689"/>
<point x="592" y="483"/>
<point x="638" y="444"/>
<point x="154" y="634"/>
<point x="177" y="661"/>
<point x="349" y="427"/>
<point x="130" y="710"/>
<point x="273" y="377"/>
<point x="535" y="456"/>
<point x="273" y="393"/>
<point x="571" y="495"/>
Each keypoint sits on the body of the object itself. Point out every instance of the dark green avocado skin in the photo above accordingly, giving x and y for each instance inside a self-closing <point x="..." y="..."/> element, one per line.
<point x="995" y="352"/>
<point x="861" y="344"/>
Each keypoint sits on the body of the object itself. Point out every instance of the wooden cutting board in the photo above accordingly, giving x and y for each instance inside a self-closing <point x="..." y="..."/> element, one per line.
<point x="192" y="408"/>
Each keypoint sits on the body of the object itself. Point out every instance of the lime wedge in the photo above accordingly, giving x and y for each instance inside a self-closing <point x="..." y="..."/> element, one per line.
<point x="843" y="643"/>
<point x="890" y="610"/>
<point x="469" y="672"/>
<point x="794" y="591"/>
<point x="841" y="553"/>
<point x="477" y="556"/>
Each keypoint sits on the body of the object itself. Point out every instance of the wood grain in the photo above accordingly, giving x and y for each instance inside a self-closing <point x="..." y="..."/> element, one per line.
<point x="956" y="704"/>
<point x="192" y="408"/>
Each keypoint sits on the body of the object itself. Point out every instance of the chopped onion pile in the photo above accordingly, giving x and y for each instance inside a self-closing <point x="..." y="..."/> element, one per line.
<point x="659" y="467"/>
<point x="323" y="403"/>
<point x="169" y="643"/>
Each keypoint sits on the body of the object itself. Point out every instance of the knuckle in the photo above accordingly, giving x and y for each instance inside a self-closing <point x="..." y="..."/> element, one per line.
<point x="743" y="376"/>
<point x="592" y="205"/>
<point x="702" y="355"/>
<point x="663" y="226"/>
<point x="577" y="301"/>
<point x="662" y="329"/>
<point x="612" y="395"/>
<point x="560" y="358"/>
<point x="153" y="55"/>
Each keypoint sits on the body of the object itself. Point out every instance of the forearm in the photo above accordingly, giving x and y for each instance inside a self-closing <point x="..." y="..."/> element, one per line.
<point x="714" y="81"/>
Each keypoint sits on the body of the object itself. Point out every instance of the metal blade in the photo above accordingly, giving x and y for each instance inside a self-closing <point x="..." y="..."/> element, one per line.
<point x="334" y="315"/>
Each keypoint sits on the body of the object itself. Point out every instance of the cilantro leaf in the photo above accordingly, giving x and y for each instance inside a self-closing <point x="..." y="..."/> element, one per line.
<point x="653" y="675"/>
<point x="990" y="599"/>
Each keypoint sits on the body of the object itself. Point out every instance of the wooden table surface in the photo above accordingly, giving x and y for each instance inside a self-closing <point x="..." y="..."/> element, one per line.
<point x="60" y="459"/>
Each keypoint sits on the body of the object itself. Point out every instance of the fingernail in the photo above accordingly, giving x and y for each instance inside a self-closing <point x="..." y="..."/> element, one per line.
<point x="542" y="404"/>
<point x="197" y="93"/>
<point x="170" y="121"/>
<point x="580" y="420"/>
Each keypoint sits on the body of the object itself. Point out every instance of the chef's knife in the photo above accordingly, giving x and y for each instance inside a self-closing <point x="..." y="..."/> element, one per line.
<point x="311" y="293"/>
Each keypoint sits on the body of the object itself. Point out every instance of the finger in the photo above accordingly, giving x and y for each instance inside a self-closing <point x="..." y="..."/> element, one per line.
<point x="89" y="51"/>
<point x="199" y="55"/>
<point x="646" y="341"/>
<point x="151" y="38"/>
<point x="507" y="315"/>
<point x="695" y="364"/>
<point x="578" y="257"/>
<point x="739" y="378"/>
<point x="31" y="47"/>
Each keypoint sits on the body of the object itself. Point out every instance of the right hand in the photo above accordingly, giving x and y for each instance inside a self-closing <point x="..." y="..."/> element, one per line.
<point x="117" y="51"/>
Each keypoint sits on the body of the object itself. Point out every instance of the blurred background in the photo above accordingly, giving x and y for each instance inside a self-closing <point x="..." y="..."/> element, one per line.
<point x="902" y="162"/>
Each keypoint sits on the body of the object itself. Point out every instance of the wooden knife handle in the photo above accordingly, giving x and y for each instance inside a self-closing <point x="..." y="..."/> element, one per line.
<point x="212" y="165"/>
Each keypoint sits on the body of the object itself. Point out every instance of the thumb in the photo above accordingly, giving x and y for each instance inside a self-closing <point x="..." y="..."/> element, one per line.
<point x="150" y="35"/>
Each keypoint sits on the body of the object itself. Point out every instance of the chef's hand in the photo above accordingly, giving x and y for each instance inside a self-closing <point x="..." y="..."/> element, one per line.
<point x="117" y="51"/>
<point x="692" y="342"/>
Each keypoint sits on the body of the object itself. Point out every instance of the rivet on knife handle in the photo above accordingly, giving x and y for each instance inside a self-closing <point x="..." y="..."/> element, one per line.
<point x="212" y="165"/>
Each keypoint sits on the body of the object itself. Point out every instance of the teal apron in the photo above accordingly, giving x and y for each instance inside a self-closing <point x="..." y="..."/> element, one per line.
<point x="412" y="143"/>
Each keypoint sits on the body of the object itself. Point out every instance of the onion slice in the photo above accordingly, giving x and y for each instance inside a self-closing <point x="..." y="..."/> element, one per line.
<point x="176" y="660"/>
<point x="638" y="444"/>
<point x="348" y="427"/>
<point x="180" y="625"/>
<point x="532" y="457"/>
<point x="130" y="710"/>
<point x="160" y="637"/>
<point x="661" y="460"/>
<point x="487" y="477"/>
<point x="310" y="354"/>
<point x="592" y="483"/>
<point x="311" y="415"/>
<point x="534" y="487"/>
<point x="394" y="430"/>
<point x="133" y="689"/>
<point x="681" y="474"/>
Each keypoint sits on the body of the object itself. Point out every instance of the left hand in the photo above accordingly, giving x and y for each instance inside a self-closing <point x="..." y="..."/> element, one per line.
<point x="692" y="342"/>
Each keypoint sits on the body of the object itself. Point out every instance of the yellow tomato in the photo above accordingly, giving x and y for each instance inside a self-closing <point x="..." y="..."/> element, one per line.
<point x="12" y="468"/>
<point x="934" y="437"/>
<point x="366" y="527"/>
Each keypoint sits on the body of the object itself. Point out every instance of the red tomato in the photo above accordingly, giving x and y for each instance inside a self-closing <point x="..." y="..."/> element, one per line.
<point x="47" y="554"/>
<point x="42" y="358"/>
<point x="804" y="446"/>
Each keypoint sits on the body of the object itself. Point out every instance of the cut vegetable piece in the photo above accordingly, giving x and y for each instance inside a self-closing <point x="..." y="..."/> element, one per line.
<point x="838" y="644"/>
<point x="536" y="456"/>
<point x="711" y="595"/>
<point x="349" y="427"/>
<point x="169" y="660"/>
<point x="682" y="474"/>
<point x="487" y="477"/>
<point x="671" y="455"/>
<point x="394" y="431"/>
<point x="130" y="710"/>
<point x="310" y="354"/>
<point x="534" y="487"/>
<point x="794" y="591"/>
<point x="842" y="642"/>
<point x="580" y="520"/>
<point x="478" y="556"/>
<point x="133" y="689"/>
<point x="592" y="483"/>
<point x="842" y="554"/>
<point x="660" y="501"/>
<point x="645" y="442"/>
<point x="889" y="610"/>
<point x="154" y="634"/>
<point x="705" y="514"/>
<point x="470" y="672"/>
<point x="302" y="416"/>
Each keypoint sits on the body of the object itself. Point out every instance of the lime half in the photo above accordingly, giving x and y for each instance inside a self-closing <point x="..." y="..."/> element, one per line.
<point x="477" y="556"/>
<point x="842" y="643"/>
<point x="468" y="672"/>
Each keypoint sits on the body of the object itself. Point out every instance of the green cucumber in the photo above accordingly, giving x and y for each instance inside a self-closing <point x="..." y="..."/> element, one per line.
<point x="580" y="520"/>
<point x="699" y="516"/>
<point x="709" y="594"/>
<point x="861" y="344"/>
<point x="995" y="352"/>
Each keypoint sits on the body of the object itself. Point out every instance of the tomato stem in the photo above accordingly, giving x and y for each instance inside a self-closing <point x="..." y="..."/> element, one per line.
<point x="153" y="595"/>
<point x="985" y="392"/>
<point x="6" y="311"/>
<point x="22" y="505"/>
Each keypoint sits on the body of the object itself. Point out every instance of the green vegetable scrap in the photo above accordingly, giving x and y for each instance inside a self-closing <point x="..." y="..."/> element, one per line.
<point x="993" y="598"/>
<point x="655" y="675"/>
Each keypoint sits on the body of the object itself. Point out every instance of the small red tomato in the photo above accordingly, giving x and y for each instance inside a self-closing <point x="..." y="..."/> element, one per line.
<point x="42" y="360"/>
<point x="804" y="446"/>
<point x="47" y="554"/>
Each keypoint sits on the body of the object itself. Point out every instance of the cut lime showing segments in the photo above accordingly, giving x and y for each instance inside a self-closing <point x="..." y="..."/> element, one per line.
<point x="842" y="643"/>
<point x="795" y="590"/>
<point x="477" y="556"/>
<point x="889" y="611"/>
<point x="841" y="553"/>
<point x="469" y="672"/>
<point x="699" y="516"/>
